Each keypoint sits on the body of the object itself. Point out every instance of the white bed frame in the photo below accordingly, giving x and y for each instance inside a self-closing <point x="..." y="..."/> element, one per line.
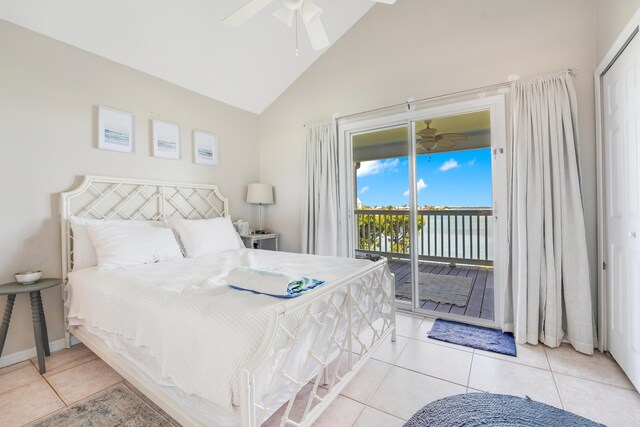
<point x="341" y="324"/>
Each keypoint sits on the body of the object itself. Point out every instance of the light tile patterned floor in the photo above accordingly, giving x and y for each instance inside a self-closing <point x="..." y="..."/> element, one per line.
<point x="400" y="379"/>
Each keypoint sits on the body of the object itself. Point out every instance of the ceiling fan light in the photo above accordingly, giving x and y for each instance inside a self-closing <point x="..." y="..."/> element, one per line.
<point x="309" y="11"/>
<point x="285" y="16"/>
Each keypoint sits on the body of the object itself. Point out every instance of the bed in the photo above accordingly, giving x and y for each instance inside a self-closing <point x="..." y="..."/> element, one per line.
<point x="208" y="354"/>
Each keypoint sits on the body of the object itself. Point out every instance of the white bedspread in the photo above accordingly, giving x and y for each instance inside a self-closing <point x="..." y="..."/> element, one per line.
<point x="197" y="331"/>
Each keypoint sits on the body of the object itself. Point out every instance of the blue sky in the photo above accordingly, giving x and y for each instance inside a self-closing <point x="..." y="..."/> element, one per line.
<point x="460" y="178"/>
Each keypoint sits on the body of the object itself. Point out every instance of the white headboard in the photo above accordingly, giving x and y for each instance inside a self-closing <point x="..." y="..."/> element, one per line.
<point x="121" y="198"/>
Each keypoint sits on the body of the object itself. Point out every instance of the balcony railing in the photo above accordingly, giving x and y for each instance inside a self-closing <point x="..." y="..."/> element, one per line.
<point x="454" y="235"/>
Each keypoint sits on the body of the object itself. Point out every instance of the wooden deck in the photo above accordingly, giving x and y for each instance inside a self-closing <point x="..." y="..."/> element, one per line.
<point x="480" y="303"/>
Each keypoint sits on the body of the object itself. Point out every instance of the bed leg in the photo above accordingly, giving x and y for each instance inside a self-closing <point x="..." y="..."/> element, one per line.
<point x="325" y="376"/>
<point x="67" y="339"/>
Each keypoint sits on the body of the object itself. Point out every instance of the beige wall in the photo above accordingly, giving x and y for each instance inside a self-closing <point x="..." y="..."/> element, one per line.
<point x="611" y="18"/>
<point x="422" y="48"/>
<point x="48" y="94"/>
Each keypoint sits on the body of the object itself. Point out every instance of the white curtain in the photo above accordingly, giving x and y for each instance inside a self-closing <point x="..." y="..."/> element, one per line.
<point x="549" y="295"/>
<point x="322" y="228"/>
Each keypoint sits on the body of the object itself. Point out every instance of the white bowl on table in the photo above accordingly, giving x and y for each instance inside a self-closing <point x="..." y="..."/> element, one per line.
<point x="28" y="277"/>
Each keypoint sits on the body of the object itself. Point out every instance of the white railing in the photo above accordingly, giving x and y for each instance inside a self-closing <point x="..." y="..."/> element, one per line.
<point x="449" y="235"/>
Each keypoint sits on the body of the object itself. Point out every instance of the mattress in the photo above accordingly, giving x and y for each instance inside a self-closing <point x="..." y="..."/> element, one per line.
<point x="180" y="325"/>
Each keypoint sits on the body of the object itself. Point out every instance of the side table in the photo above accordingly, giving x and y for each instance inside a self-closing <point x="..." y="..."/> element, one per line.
<point x="37" y="314"/>
<point x="254" y="241"/>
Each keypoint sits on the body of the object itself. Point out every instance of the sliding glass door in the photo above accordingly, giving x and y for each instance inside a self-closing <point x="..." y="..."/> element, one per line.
<point x="424" y="193"/>
<point x="381" y="215"/>
<point x="454" y="215"/>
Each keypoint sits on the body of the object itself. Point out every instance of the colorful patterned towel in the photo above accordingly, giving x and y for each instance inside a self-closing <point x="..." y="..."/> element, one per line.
<point x="270" y="283"/>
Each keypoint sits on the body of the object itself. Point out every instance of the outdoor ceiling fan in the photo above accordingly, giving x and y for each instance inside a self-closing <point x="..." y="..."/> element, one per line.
<point x="428" y="139"/>
<point x="309" y="12"/>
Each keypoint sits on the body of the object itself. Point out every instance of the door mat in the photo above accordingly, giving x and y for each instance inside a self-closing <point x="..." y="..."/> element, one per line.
<point x="473" y="336"/>
<point x="439" y="288"/>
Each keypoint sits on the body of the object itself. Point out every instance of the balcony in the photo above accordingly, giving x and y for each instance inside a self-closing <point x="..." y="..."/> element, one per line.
<point x="451" y="242"/>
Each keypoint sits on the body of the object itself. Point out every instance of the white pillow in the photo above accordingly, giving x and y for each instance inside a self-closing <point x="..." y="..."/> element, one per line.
<point x="206" y="236"/>
<point x="84" y="254"/>
<point x="126" y="245"/>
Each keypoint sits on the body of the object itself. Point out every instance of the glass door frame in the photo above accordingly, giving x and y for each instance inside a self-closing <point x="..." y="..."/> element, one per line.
<point x="496" y="106"/>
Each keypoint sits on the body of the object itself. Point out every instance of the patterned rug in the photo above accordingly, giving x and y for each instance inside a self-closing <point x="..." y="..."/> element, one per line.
<point x="440" y="289"/>
<point x="473" y="336"/>
<point x="486" y="409"/>
<point x="115" y="406"/>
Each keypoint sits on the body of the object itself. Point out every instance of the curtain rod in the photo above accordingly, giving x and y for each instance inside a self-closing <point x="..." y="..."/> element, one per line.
<point x="571" y="71"/>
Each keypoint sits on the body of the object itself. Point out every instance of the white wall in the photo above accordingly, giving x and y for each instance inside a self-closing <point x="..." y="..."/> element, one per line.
<point x="611" y="17"/>
<point x="48" y="94"/>
<point x="422" y="48"/>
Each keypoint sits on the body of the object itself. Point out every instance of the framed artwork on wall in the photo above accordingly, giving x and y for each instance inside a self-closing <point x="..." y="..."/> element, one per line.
<point x="205" y="148"/>
<point x="115" y="130"/>
<point x="166" y="140"/>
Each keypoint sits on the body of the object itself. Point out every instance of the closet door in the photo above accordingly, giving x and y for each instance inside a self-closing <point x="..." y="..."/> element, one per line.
<point x="621" y="108"/>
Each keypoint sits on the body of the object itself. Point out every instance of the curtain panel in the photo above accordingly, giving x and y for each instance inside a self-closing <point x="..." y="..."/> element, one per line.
<point x="322" y="230"/>
<point x="548" y="298"/>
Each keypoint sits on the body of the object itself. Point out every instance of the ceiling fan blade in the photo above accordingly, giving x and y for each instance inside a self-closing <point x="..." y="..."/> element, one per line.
<point x="317" y="34"/>
<point x="309" y="11"/>
<point x="285" y="16"/>
<point x="385" y="1"/>
<point x="426" y="132"/>
<point x="459" y="136"/>
<point x="245" y="12"/>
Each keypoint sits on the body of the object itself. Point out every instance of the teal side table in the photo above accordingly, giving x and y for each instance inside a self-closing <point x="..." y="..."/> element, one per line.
<point x="37" y="314"/>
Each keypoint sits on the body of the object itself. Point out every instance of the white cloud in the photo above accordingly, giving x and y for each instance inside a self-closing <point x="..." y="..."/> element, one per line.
<point x="421" y="185"/>
<point x="364" y="189"/>
<point x="374" y="167"/>
<point x="448" y="165"/>
<point x="472" y="162"/>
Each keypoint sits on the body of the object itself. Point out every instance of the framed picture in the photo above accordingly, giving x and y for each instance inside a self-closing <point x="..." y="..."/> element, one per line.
<point x="115" y="130"/>
<point x="205" y="148"/>
<point x="166" y="140"/>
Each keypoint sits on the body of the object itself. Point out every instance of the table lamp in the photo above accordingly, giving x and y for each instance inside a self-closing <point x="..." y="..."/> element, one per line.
<point x="260" y="194"/>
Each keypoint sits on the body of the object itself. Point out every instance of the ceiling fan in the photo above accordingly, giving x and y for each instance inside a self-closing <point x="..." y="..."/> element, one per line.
<point x="428" y="139"/>
<point x="309" y="12"/>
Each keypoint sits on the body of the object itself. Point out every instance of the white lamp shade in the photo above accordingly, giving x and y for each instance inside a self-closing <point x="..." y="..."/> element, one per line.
<point x="260" y="194"/>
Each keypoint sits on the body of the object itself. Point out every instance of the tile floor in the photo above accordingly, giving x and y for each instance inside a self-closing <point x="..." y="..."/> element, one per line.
<point x="399" y="379"/>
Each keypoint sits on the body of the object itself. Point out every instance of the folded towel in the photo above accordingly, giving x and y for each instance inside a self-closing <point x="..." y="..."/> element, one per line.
<point x="270" y="283"/>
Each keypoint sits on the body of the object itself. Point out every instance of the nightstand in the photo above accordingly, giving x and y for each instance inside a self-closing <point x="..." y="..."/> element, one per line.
<point x="256" y="241"/>
<point x="37" y="314"/>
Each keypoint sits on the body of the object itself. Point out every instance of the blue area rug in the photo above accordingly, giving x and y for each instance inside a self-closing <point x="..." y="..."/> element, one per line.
<point x="486" y="409"/>
<point x="473" y="336"/>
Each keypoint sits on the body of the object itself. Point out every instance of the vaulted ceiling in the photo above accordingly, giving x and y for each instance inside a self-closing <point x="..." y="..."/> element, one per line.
<point x="185" y="43"/>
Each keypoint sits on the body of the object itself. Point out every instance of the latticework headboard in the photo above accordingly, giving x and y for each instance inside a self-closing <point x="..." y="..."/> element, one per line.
<point x="129" y="199"/>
